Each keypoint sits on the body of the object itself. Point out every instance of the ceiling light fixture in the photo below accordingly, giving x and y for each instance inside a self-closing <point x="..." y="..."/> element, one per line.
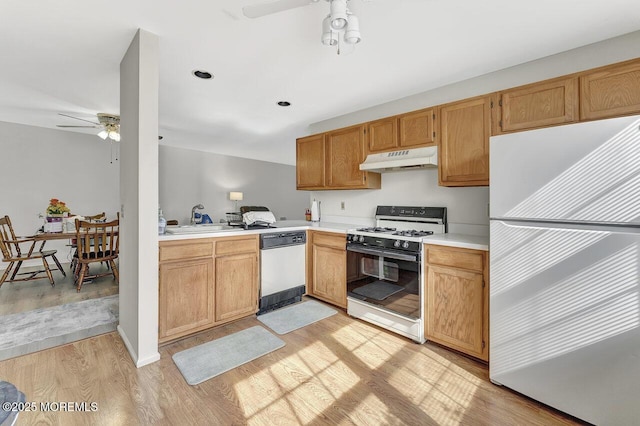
<point x="205" y="75"/>
<point x="111" y="131"/>
<point x="340" y="25"/>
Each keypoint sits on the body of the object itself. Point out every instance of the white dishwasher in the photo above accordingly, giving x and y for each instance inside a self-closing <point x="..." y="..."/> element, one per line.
<point x="282" y="269"/>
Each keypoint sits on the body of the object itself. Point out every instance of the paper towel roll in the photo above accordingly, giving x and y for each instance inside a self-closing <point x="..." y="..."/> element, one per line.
<point x="315" y="211"/>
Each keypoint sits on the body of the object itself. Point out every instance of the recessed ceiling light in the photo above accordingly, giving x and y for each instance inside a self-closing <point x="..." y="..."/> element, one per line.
<point x="284" y="103"/>
<point x="202" y="74"/>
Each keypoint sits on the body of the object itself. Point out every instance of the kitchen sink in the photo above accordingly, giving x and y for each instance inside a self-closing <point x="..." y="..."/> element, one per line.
<point x="196" y="229"/>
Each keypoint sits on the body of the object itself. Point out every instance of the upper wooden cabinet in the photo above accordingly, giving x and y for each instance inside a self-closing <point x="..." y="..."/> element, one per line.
<point x="463" y="156"/>
<point x="383" y="135"/>
<point x="417" y="128"/>
<point x="411" y="130"/>
<point x="610" y="91"/>
<point x="310" y="162"/>
<point x="536" y="105"/>
<point x="345" y="151"/>
<point x="332" y="161"/>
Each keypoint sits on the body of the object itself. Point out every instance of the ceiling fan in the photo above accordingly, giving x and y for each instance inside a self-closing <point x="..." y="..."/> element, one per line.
<point x="109" y="123"/>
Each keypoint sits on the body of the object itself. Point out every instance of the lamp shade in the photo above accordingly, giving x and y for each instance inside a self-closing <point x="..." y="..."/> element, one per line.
<point x="352" y="35"/>
<point x="338" y="14"/>
<point x="235" y="196"/>
<point x="329" y="37"/>
<point x="103" y="134"/>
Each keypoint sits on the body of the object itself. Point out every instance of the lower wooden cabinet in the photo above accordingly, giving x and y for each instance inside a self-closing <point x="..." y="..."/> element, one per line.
<point x="327" y="267"/>
<point x="206" y="282"/>
<point x="236" y="286"/>
<point x="457" y="299"/>
<point x="186" y="297"/>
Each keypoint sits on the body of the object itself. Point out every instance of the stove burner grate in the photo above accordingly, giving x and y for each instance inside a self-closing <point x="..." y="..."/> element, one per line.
<point x="376" y="229"/>
<point x="413" y="233"/>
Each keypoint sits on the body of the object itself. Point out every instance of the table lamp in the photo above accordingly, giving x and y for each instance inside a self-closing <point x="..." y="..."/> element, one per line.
<point x="235" y="196"/>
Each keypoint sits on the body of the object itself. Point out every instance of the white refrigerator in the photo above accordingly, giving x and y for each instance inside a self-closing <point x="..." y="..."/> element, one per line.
<point x="565" y="267"/>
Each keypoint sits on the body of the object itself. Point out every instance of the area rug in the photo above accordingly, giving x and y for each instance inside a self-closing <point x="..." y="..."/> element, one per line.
<point x="293" y="317"/>
<point x="10" y="399"/>
<point x="44" y="328"/>
<point x="213" y="358"/>
<point x="378" y="290"/>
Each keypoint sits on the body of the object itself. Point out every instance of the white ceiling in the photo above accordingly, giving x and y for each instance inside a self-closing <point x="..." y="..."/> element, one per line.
<point x="64" y="57"/>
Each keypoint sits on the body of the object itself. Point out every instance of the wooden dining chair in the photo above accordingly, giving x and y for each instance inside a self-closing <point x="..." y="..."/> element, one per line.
<point x="100" y="217"/>
<point x="97" y="242"/>
<point x="16" y="255"/>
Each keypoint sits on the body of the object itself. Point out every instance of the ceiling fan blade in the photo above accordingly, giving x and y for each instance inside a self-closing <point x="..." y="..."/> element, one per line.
<point x="88" y="127"/>
<point x="76" y="118"/>
<point x="262" y="9"/>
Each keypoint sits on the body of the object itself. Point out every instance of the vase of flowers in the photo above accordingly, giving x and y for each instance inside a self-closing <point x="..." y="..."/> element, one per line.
<point x="55" y="212"/>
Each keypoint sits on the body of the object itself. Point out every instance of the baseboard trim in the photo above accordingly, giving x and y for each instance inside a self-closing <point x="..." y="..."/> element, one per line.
<point x="132" y="353"/>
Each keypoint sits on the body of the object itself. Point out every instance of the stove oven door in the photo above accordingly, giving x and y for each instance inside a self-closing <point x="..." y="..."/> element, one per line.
<point x="385" y="279"/>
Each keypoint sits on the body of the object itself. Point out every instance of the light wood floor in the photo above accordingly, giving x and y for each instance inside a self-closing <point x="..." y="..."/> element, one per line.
<point x="337" y="371"/>
<point x="25" y="296"/>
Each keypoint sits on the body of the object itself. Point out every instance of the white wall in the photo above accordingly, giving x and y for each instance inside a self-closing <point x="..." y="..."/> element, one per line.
<point x="38" y="164"/>
<point x="190" y="177"/>
<point x="465" y="205"/>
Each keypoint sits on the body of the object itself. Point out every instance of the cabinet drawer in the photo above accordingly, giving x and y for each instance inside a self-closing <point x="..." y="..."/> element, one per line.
<point x="472" y="260"/>
<point x="330" y="240"/>
<point x="187" y="249"/>
<point x="237" y="245"/>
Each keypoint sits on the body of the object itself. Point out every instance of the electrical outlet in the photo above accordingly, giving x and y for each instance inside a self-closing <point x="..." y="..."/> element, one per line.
<point x="341" y="205"/>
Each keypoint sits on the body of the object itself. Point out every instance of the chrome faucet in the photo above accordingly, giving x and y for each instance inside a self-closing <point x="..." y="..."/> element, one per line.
<point x="193" y="214"/>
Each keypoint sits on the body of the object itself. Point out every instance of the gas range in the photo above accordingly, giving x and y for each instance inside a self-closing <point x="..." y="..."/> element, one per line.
<point x="401" y="228"/>
<point x="385" y="283"/>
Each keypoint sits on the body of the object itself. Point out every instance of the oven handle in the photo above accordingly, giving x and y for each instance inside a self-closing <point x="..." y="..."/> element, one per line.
<point x="384" y="253"/>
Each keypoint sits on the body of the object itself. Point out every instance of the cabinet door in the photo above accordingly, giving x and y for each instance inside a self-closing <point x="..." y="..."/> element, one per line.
<point x="236" y="286"/>
<point x="345" y="151"/>
<point x="327" y="267"/>
<point x="417" y="129"/>
<point x="610" y="91"/>
<point x="186" y="297"/>
<point x="455" y="309"/>
<point x="383" y="135"/>
<point x="329" y="275"/>
<point x="464" y="142"/>
<point x="310" y="162"/>
<point x="538" y="105"/>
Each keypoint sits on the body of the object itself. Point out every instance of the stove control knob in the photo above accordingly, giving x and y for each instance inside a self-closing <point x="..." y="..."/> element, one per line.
<point x="362" y="238"/>
<point x="396" y="243"/>
<point x="405" y="245"/>
<point x="349" y="237"/>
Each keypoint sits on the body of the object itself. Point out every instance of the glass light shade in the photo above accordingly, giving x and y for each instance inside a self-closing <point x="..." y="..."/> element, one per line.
<point x="352" y="35"/>
<point x="338" y="14"/>
<point x="329" y="37"/>
<point x="103" y="134"/>
<point x="235" y="196"/>
<point x="114" y="135"/>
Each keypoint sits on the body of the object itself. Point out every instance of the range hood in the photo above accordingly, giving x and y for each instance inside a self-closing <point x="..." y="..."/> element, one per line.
<point x="416" y="158"/>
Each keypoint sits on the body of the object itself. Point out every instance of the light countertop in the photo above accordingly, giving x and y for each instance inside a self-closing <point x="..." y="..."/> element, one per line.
<point x="452" y="240"/>
<point x="459" y="240"/>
